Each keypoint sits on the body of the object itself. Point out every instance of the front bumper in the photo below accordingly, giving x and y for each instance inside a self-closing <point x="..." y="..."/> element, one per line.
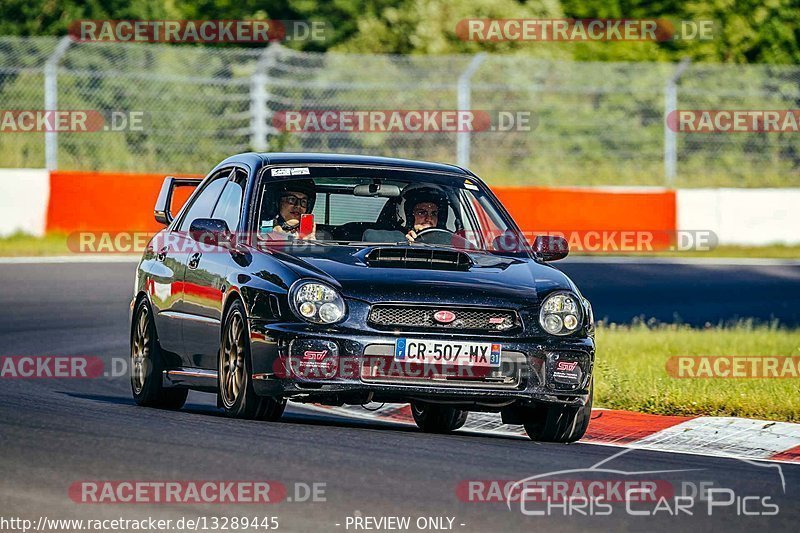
<point x="534" y="370"/>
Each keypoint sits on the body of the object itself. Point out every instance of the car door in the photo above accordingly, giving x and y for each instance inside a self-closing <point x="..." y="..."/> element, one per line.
<point x="170" y="251"/>
<point x="180" y="249"/>
<point x="205" y="281"/>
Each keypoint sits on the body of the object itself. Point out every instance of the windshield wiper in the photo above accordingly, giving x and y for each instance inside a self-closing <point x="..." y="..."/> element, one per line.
<point x="371" y="243"/>
<point x="445" y="247"/>
<point x="406" y="243"/>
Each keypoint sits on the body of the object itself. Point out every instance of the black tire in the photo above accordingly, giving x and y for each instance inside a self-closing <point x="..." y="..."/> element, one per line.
<point x="434" y="418"/>
<point x="236" y="394"/>
<point x="557" y="423"/>
<point x="147" y="365"/>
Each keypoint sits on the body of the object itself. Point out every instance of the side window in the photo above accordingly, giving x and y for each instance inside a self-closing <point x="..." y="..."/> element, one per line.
<point x="229" y="206"/>
<point x="204" y="203"/>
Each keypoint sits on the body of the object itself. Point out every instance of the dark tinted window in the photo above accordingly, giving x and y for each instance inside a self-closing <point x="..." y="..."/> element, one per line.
<point x="230" y="203"/>
<point x="204" y="203"/>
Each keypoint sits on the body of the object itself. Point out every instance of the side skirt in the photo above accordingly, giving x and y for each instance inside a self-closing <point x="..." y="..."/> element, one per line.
<point x="192" y="378"/>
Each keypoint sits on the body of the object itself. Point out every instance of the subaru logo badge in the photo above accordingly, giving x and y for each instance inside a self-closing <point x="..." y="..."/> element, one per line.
<point x="444" y="317"/>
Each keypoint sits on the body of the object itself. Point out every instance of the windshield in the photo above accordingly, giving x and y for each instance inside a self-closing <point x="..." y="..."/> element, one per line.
<point x="361" y="206"/>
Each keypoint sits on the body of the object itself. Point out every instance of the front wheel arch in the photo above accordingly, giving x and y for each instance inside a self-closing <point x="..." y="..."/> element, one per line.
<point x="142" y="295"/>
<point x="247" y="404"/>
<point x="232" y="297"/>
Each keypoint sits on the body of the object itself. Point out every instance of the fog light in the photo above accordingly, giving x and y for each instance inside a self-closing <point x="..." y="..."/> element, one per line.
<point x="307" y="309"/>
<point x="329" y="312"/>
<point x="552" y="323"/>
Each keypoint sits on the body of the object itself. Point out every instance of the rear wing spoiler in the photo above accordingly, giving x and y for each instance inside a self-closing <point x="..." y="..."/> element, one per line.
<point x="162" y="208"/>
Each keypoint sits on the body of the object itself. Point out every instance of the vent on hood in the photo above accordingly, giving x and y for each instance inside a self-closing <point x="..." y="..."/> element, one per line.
<point x="423" y="258"/>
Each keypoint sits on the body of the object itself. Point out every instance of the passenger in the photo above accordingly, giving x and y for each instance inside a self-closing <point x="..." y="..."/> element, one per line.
<point x="293" y="199"/>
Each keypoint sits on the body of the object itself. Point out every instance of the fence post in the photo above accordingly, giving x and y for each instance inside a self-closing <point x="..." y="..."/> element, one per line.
<point x="670" y="135"/>
<point x="464" y="103"/>
<point x="51" y="100"/>
<point x="259" y="112"/>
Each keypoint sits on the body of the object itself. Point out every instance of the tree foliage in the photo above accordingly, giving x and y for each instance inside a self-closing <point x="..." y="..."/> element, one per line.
<point x="747" y="31"/>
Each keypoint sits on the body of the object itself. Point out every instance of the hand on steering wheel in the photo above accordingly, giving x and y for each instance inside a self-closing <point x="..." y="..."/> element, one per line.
<point x="418" y="231"/>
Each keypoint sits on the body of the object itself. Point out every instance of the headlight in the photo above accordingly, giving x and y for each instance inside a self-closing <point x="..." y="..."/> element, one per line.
<point x="316" y="302"/>
<point x="561" y="313"/>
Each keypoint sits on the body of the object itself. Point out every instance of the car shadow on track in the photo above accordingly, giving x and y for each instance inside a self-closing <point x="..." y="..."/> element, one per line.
<point x="293" y="416"/>
<point x="296" y="415"/>
<point x="119" y="400"/>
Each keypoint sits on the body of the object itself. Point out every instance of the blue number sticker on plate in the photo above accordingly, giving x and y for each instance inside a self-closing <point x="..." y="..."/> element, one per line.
<point x="400" y="350"/>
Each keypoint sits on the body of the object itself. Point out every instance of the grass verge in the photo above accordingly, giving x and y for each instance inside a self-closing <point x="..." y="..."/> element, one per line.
<point x="21" y="244"/>
<point x="772" y="251"/>
<point x="631" y="371"/>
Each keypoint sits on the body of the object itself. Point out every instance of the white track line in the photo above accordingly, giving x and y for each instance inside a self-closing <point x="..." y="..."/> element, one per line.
<point x="735" y="437"/>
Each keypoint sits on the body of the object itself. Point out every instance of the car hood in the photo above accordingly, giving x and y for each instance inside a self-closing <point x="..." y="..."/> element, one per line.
<point x="491" y="280"/>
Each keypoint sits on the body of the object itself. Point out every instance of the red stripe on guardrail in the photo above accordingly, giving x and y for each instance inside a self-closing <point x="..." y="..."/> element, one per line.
<point x="105" y="201"/>
<point x="584" y="211"/>
<point x="115" y="201"/>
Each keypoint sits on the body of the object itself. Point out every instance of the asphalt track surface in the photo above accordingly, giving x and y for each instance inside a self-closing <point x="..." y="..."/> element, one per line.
<point x="54" y="433"/>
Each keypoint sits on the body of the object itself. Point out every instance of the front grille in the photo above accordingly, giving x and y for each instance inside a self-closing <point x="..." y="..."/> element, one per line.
<point x="467" y="319"/>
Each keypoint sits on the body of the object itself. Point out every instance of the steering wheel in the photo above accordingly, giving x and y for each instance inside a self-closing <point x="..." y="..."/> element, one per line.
<point x="442" y="236"/>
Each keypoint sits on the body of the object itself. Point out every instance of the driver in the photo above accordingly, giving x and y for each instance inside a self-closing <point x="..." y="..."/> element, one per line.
<point x="425" y="208"/>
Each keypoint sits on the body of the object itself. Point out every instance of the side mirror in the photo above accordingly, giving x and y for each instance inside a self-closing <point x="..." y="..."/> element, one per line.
<point x="162" y="209"/>
<point x="211" y="231"/>
<point x="550" y="247"/>
<point x="509" y="241"/>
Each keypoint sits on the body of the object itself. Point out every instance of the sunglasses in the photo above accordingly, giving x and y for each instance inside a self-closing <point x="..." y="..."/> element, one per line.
<point x="425" y="213"/>
<point x="295" y="200"/>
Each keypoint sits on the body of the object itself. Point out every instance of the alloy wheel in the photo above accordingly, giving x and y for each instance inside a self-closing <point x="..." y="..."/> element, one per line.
<point x="232" y="367"/>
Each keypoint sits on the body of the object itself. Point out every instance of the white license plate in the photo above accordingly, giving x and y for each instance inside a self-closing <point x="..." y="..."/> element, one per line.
<point x="480" y="354"/>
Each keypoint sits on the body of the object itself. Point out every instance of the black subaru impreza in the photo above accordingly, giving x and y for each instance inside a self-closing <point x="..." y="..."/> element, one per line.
<point x="339" y="279"/>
